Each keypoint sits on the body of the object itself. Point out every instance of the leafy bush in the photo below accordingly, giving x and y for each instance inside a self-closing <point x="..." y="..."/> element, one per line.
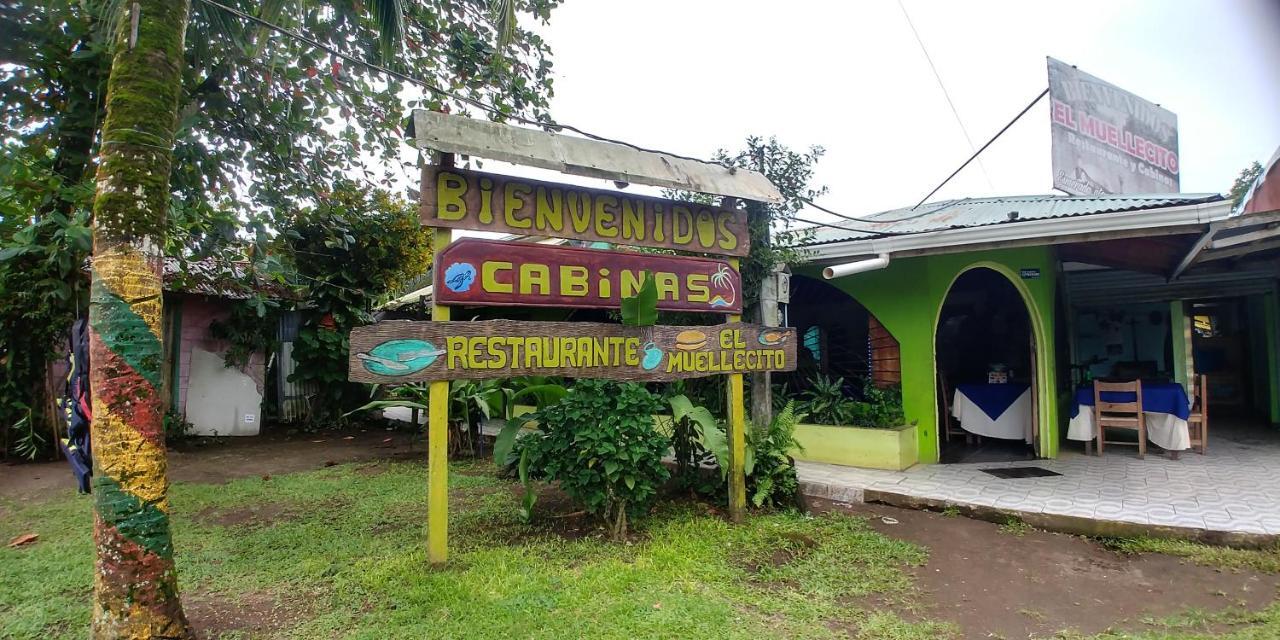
<point x="767" y="463"/>
<point x="600" y="444"/>
<point x="352" y="248"/>
<point x="825" y="403"/>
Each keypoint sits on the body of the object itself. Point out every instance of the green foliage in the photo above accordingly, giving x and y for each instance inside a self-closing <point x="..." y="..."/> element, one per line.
<point x="824" y="402"/>
<point x="767" y="463"/>
<point x="688" y="424"/>
<point x="770" y="226"/>
<point x="350" y="250"/>
<point x="773" y="480"/>
<point x="600" y="444"/>
<point x="641" y="310"/>
<point x="42" y="285"/>
<point x="266" y="122"/>
<point x="1244" y="182"/>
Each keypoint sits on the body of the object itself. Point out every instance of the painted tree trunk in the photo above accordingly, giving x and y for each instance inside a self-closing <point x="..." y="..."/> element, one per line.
<point x="135" y="583"/>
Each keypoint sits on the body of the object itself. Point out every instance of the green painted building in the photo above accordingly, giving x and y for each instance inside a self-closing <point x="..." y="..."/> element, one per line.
<point x="1051" y="291"/>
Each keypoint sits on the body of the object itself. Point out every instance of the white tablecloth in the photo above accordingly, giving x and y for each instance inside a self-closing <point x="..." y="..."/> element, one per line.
<point x="1013" y="424"/>
<point x="1166" y="430"/>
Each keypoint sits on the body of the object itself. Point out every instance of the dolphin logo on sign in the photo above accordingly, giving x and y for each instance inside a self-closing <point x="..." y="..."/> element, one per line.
<point x="400" y="357"/>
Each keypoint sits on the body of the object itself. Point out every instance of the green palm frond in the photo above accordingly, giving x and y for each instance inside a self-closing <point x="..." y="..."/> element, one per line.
<point x="503" y="14"/>
<point x="388" y="15"/>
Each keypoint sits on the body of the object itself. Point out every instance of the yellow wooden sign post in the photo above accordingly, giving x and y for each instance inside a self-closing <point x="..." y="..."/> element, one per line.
<point x="737" y="421"/>
<point x="438" y="444"/>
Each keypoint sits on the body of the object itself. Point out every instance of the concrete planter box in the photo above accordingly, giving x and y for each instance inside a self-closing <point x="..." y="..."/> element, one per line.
<point x="892" y="448"/>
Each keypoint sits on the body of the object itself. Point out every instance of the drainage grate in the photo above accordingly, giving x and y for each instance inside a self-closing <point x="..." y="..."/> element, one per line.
<point x="1021" y="472"/>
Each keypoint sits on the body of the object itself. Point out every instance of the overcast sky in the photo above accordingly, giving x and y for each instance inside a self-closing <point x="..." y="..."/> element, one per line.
<point x="692" y="76"/>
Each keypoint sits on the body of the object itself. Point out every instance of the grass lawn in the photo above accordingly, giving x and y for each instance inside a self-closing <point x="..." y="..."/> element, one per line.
<point x="339" y="552"/>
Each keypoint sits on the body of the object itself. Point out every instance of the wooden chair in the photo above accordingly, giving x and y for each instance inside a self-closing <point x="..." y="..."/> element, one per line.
<point x="1119" y="415"/>
<point x="1198" y="421"/>
<point x="949" y="425"/>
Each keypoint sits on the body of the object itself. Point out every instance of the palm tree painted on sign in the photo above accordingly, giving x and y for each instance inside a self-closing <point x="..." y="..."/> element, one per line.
<point x="723" y="279"/>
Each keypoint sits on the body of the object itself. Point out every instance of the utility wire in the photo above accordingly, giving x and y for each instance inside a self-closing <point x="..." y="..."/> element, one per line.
<point x="480" y="105"/>
<point x="984" y="147"/>
<point x="404" y="77"/>
<point x="946" y="94"/>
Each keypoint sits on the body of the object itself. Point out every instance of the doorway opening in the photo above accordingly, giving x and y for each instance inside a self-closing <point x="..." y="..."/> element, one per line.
<point x="1228" y="345"/>
<point x="986" y="372"/>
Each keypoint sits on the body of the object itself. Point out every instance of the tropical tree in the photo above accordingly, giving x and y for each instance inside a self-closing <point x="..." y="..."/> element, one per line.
<point x="135" y="586"/>
<point x="268" y="124"/>
<point x="135" y="582"/>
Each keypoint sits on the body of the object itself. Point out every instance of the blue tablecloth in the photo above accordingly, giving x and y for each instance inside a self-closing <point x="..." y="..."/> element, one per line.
<point x="993" y="399"/>
<point x="1157" y="397"/>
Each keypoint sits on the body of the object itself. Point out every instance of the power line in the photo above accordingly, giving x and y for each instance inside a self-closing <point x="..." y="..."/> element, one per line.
<point x="984" y="147"/>
<point x="946" y="94"/>
<point x="404" y="77"/>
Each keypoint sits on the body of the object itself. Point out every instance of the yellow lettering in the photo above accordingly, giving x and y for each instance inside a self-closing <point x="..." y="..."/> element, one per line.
<point x="573" y="280"/>
<point x="585" y="353"/>
<point x="550" y="213"/>
<point x="738" y="357"/>
<point x="606" y="215"/>
<point x="486" y="201"/>
<point x="489" y="277"/>
<point x="726" y="339"/>
<point x="456" y="348"/>
<point x="579" y="207"/>
<point x="605" y="286"/>
<point x="728" y="241"/>
<point x="532" y="274"/>
<point x="752" y="359"/>
<point x="631" y="351"/>
<point x="629" y="283"/>
<point x="667" y="284"/>
<point x="513" y="200"/>
<point x="568" y="352"/>
<point x="494" y="346"/>
<point x="450" y="189"/>
<point x="474" y="360"/>
<point x="632" y="219"/>
<point x="738" y="342"/>
<point x="696" y="283"/>
<point x="780" y="359"/>
<point x="706" y="229"/>
<point x="681" y="225"/>
<point x="659" y="224"/>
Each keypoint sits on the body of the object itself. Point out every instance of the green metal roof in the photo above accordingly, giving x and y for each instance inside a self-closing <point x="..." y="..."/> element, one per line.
<point x="982" y="212"/>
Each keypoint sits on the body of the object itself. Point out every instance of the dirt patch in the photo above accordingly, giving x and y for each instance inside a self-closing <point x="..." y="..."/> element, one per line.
<point x="255" y="614"/>
<point x="994" y="584"/>
<point x="255" y="515"/>
<point x="218" y="460"/>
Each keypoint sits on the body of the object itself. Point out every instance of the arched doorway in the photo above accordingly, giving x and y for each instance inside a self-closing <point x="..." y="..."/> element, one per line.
<point x="985" y="334"/>
<point x="839" y="340"/>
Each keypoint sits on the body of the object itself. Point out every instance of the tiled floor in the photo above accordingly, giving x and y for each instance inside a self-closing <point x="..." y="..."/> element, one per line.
<point x="1233" y="489"/>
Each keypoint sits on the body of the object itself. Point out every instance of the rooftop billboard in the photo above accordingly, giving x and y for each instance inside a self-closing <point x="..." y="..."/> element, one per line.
<point x="1107" y="140"/>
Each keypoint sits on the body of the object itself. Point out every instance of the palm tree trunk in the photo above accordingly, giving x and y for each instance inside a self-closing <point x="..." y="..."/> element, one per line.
<point x="135" y="583"/>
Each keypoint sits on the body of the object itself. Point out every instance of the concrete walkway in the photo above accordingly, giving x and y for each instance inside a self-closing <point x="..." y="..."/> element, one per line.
<point x="1231" y="495"/>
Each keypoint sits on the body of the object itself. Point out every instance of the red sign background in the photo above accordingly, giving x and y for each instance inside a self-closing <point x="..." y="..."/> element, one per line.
<point x="496" y="273"/>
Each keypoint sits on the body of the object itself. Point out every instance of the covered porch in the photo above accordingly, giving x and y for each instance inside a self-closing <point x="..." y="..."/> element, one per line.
<point x="1231" y="495"/>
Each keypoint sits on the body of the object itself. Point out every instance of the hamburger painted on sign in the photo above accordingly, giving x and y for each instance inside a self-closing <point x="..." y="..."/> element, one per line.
<point x="487" y="272"/>
<point x="399" y="351"/>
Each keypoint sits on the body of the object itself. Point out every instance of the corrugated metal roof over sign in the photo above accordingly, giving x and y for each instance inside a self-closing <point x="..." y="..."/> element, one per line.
<point x="982" y="212"/>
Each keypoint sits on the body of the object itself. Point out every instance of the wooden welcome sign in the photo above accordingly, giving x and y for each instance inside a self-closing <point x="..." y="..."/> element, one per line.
<point x="461" y="199"/>
<point x="497" y="273"/>
<point x="400" y="351"/>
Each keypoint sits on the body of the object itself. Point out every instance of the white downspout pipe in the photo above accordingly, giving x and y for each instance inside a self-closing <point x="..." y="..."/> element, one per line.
<point x="849" y="268"/>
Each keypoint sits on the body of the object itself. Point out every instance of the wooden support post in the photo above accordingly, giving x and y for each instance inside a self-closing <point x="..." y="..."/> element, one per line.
<point x="737" y="437"/>
<point x="438" y="429"/>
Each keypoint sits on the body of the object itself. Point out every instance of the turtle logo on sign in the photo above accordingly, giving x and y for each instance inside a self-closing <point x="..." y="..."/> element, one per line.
<point x="400" y="357"/>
